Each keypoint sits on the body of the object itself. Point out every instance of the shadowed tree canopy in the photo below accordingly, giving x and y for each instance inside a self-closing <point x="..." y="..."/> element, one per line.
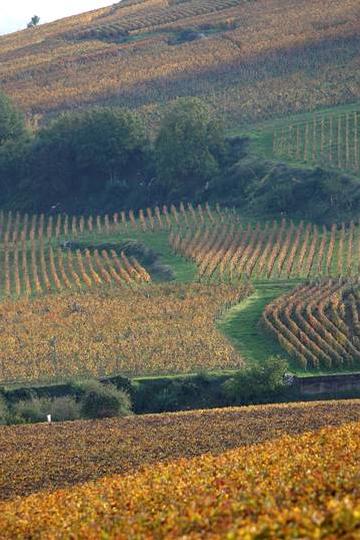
<point x="83" y="152"/>
<point x="189" y="147"/>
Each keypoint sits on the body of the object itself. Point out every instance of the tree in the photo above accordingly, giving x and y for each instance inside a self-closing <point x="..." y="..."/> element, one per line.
<point x="34" y="21"/>
<point x="14" y="139"/>
<point x="12" y="121"/>
<point x="259" y="383"/>
<point x="81" y="153"/>
<point x="189" y="147"/>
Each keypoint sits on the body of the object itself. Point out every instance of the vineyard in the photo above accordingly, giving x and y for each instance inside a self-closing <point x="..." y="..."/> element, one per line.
<point x="34" y="458"/>
<point x="37" y="253"/>
<point x="250" y="60"/>
<point x="257" y="491"/>
<point x="63" y="275"/>
<point x="330" y="140"/>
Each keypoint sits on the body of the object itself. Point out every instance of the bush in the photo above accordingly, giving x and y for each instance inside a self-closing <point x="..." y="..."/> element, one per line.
<point x="103" y="400"/>
<point x="4" y="412"/>
<point x="257" y="384"/>
<point x="37" y="409"/>
<point x="28" y="410"/>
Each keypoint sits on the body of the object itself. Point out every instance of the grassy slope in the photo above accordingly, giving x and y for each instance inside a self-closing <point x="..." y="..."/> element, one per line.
<point x="261" y="134"/>
<point x="240" y="323"/>
<point x="185" y="271"/>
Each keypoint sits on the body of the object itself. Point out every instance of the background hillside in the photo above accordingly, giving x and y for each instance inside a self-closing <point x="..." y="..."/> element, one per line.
<point x="252" y="60"/>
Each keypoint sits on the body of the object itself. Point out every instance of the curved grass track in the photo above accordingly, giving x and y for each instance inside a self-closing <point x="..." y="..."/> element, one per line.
<point x="240" y="325"/>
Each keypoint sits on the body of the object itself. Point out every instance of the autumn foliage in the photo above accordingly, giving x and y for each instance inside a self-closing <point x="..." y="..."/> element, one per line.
<point x="294" y="487"/>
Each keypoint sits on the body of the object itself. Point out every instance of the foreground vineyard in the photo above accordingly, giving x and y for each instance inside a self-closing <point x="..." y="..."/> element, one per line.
<point x="156" y="330"/>
<point x="34" y="458"/>
<point x="331" y="140"/>
<point x="261" y="491"/>
<point x="274" y="250"/>
<point x="318" y="323"/>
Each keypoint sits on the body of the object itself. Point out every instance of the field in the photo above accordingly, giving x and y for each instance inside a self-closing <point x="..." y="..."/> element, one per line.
<point x="305" y="486"/>
<point x="71" y="453"/>
<point x="250" y="60"/>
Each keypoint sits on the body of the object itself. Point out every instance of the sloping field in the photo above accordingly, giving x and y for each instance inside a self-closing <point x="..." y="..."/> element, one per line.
<point x="294" y="487"/>
<point x="251" y="60"/>
<point x="41" y="457"/>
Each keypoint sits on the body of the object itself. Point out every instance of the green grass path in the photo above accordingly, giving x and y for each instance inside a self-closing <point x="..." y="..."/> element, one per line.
<point x="240" y="323"/>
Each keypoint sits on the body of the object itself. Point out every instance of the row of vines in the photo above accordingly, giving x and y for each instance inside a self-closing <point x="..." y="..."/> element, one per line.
<point x="16" y="227"/>
<point x="318" y="323"/>
<point x="272" y="251"/>
<point x="330" y="140"/>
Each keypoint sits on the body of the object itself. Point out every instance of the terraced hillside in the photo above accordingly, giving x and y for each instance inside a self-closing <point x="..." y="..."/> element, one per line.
<point x="251" y="60"/>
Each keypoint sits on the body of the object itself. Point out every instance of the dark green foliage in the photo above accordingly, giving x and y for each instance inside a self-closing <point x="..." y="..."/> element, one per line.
<point x="258" y="383"/>
<point x="4" y="412"/>
<point x="189" y="147"/>
<point x="34" y="21"/>
<point x="179" y="393"/>
<point x="272" y="188"/>
<point x="12" y="121"/>
<point x="103" y="400"/>
<point x="86" y="152"/>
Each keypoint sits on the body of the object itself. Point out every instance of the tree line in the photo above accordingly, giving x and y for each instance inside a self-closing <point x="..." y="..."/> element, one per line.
<point x="103" y="159"/>
<point x="103" y="152"/>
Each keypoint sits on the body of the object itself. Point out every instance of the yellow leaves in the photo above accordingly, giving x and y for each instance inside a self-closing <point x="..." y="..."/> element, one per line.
<point x="157" y="330"/>
<point x="221" y="497"/>
<point x="36" y="457"/>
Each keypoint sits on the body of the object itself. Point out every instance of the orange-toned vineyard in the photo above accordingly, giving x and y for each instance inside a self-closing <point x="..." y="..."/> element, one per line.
<point x="251" y="60"/>
<point x="154" y="330"/>
<point x="34" y="458"/>
<point x="36" y="253"/>
<point x="318" y="323"/>
<point x="294" y="487"/>
<point x="277" y="250"/>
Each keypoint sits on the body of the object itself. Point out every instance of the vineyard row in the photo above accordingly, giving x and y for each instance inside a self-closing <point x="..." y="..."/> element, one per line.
<point x="43" y="268"/>
<point x="277" y="250"/>
<point x="328" y="140"/>
<point x="318" y="323"/>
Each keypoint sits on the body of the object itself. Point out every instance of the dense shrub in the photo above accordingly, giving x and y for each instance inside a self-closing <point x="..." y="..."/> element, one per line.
<point x="103" y="400"/>
<point x="258" y="383"/>
<point x="83" y="153"/>
<point x="4" y="412"/>
<point x="36" y="409"/>
<point x="12" y="121"/>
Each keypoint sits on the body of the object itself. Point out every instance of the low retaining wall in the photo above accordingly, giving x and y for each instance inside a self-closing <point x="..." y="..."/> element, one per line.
<point x="328" y="384"/>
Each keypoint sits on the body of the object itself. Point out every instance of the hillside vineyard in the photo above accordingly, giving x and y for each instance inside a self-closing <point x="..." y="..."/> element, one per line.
<point x="249" y="59"/>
